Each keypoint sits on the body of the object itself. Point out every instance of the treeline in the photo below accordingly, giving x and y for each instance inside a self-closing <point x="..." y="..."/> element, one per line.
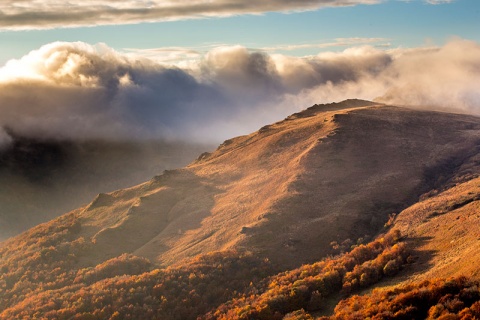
<point x="453" y="299"/>
<point x="173" y="293"/>
<point x="43" y="258"/>
<point x="308" y="286"/>
<point x="41" y="277"/>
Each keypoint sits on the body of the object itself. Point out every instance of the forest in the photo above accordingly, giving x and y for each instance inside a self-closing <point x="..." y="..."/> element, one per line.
<point x="45" y="280"/>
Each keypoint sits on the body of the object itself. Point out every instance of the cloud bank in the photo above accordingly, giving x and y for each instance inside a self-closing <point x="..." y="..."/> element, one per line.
<point x="79" y="91"/>
<point x="44" y="14"/>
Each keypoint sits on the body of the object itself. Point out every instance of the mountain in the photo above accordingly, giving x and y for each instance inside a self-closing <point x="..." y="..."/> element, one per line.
<point x="295" y="217"/>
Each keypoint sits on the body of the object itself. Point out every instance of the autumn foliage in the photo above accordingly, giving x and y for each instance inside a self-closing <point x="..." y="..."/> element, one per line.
<point x="456" y="299"/>
<point x="307" y="287"/>
<point x="43" y="276"/>
<point x="49" y="279"/>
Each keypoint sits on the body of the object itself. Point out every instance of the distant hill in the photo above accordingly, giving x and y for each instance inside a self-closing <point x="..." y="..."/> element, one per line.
<point x="284" y="222"/>
<point x="42" y="179"/>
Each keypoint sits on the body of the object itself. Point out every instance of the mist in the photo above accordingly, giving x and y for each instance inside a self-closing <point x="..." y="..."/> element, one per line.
<point x="40" y="179"/>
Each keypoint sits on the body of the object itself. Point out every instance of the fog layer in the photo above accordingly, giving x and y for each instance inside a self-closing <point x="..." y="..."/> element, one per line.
<point x="81" y="91"/>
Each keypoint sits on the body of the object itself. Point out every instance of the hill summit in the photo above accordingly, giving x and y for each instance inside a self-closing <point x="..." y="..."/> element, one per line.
<point x="330" y="173"/>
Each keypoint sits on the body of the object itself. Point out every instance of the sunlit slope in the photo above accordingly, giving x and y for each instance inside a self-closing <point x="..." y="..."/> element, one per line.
<point x="326" y="174"/>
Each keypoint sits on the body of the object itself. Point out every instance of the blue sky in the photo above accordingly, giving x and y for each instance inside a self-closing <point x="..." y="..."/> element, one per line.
<point x="393" y="22"/>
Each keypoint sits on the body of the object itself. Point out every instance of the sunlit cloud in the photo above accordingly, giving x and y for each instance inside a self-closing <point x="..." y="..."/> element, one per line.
<point x="80" y="91"/>
<point x="44" y="14"/>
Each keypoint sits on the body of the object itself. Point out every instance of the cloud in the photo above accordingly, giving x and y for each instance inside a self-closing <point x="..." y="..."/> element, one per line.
<point x="167" y="54"/>
<point x="445" y="77"/>
<point x="434" y="2"/>
<point x="439" y="1"/>
<point x="44" y="14"/>
<point x="339" y="42"/>
<point x="438" y="78"/>
<point x="80" y="91"/>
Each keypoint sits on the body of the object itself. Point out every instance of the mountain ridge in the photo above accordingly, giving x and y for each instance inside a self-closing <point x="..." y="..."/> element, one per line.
<point x="327" y="167"/>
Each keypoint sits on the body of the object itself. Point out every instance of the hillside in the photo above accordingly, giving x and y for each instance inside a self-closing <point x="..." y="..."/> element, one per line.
<point x="290" y="218"/>
<point x="286" y="192"/>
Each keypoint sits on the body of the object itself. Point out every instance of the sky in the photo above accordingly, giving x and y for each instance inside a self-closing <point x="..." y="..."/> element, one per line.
<point x="210" y="70"/>
<point x="292" y="30"/>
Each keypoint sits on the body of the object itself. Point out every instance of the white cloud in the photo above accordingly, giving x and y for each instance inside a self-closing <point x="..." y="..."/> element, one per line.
<point x="41" y="14"/>
<point x="79" y="91"/>
<point x="339" y="42"/>
<point x="171" y="55"/>
<point x="439" y="1"/>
